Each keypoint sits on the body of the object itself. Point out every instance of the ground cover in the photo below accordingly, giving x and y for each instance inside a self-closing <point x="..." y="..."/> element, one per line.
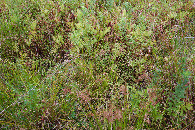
<point x="96" y="64"/>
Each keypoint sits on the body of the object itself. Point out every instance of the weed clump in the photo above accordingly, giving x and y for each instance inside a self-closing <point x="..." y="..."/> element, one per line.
<point x="97" y="64"/>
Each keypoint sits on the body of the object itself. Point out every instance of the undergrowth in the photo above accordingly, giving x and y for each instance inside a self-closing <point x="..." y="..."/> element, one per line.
<point x="90" y="64"/>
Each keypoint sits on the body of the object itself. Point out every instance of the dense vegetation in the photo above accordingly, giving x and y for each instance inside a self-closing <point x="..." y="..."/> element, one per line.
<point x="80" y="64"/>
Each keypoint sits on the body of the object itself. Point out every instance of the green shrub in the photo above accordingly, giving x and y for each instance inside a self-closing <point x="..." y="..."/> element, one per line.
<point x="97" y="64"/>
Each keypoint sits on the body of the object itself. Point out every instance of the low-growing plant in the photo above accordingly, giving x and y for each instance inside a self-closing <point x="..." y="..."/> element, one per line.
<point x="97" y="64"/>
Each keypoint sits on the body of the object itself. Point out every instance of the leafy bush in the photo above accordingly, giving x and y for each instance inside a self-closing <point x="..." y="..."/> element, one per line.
<point x="97" y="64"/>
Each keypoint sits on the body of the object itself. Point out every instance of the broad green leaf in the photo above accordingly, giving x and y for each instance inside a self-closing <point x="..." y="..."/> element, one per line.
<point x="79" y="14"/>
<point x="189" y="106"/>
<point x="173" y="15"/>
<point x="33" y="25"/>
<point x="106" y="30"/>
<point x="124" y="13"/>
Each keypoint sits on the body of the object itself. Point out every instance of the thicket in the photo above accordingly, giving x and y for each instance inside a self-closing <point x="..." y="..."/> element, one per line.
<point x="80" y="64"/>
